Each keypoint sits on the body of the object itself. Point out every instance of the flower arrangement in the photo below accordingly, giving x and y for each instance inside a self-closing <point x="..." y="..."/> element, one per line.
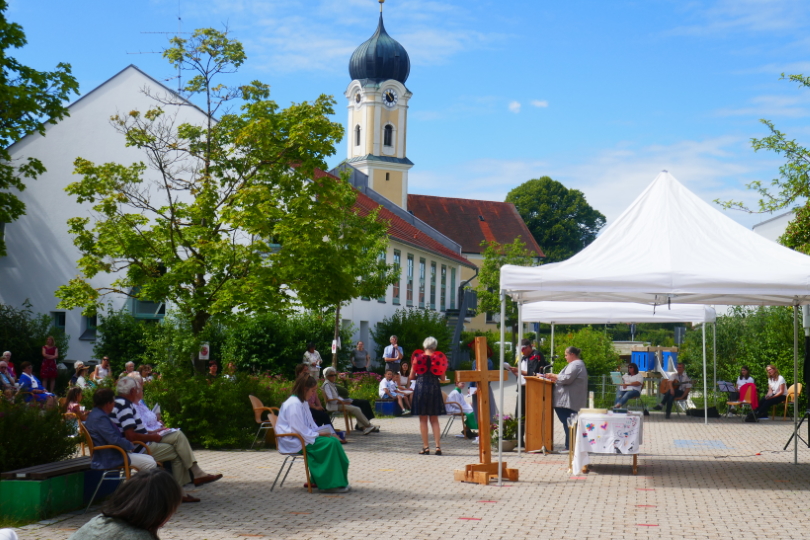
<point x="510" y="429"/>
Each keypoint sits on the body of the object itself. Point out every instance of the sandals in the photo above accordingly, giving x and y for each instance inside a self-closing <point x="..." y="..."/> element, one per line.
<point x="425" y="451"/>
<point x="438" y="450"/>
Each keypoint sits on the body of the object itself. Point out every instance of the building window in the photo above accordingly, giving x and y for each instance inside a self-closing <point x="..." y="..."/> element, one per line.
<point x="398" y="270"/>
<point x="443" y="290"/>
<point x="453" y="288"/>
<point x="381" y="299"/>
<point x="89" y="332"/>
<point x="146" y="309"/>
<point x="388" y="135"/>
<point x="387" y="177"/>
<point x="409" y="283"/>
<point x="58" y="319"/>
<point x="432" y="285"/>
<point x="421" y="282"/>
<point x="357" y="135"/>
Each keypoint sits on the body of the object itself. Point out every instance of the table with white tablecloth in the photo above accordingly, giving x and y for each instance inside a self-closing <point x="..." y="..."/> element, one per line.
<point x="617" y="434"/>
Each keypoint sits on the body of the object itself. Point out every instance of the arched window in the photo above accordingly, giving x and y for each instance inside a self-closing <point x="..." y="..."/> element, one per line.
<point x="357" y="135"/>
<point x="388" y="135"/>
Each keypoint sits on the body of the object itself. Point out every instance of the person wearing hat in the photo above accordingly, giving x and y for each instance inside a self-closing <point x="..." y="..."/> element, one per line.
<point x="78" y="365"/>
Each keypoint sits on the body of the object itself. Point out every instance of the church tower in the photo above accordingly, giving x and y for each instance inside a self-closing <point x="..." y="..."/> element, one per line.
<point x="378" y="114"/>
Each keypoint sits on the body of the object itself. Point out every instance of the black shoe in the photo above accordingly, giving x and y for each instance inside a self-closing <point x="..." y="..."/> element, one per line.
<point x="750" y="417"/>
<point x="657" y="408"/>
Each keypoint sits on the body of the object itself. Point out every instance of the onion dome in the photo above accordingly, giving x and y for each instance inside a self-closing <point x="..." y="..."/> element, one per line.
<point x="380" y="58"/>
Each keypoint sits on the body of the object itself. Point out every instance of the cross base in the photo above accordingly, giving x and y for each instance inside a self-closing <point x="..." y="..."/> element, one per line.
<point x="482" y="473"/>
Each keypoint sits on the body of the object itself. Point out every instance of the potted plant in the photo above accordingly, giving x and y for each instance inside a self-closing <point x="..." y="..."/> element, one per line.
<point x="510" y="430"/>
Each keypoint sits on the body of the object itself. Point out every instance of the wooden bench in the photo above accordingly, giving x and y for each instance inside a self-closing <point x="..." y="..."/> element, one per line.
<point x="42" y="491"/>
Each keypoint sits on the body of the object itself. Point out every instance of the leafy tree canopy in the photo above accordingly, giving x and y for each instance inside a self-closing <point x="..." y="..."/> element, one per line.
<point x="793" y="186"/>
<point x="29" y="100"/>
<point x="225" y="215"/>
<point x="560" y="219"/>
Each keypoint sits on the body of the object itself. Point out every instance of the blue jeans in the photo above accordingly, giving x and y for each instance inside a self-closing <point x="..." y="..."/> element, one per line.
<point x="623" y="396"/>
<point x="563" y="414"/>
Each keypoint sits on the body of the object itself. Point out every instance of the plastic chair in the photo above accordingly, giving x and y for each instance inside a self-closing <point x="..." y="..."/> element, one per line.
<point x="792" y="395"/>
<point x="451" y="415"/>
<point x="745" y="399"/>
<point x="107" y="474"/>
<point x="273" y="418"/>
<point x="258" y="410"/>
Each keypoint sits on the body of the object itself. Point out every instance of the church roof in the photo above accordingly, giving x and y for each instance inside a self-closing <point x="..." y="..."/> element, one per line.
<point x="470" y="221"/>
<point x="399" y="229"/>
<point x="380" y="58"/>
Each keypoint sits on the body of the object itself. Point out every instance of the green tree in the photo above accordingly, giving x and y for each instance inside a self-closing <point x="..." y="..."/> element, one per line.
<point x="597" y="351"/>
<point x="233" y="217"/>
<point x="29" y="101"/>
<point x="489" y="277"/>
<point x="412" y="326"/>
<point x="793" y="186"/>
<point x="560" y="219"/>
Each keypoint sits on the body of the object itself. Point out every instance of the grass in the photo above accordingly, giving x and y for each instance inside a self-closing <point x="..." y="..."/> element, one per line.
<point x="6" y="523"/>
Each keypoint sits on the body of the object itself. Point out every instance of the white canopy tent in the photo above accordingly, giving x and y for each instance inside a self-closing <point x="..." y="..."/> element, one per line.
<point x="669" y="247"/>
<point x="610" y="313"/>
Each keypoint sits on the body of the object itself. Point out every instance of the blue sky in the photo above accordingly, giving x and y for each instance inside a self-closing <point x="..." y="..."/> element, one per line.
<point x="598" y="95"/>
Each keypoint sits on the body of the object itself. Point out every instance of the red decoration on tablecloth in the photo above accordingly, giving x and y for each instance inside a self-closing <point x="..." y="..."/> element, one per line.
<point x="438" y="363"/>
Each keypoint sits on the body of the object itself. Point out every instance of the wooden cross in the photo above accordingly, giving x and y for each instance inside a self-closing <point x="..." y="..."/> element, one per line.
<point x="481" y="473"/>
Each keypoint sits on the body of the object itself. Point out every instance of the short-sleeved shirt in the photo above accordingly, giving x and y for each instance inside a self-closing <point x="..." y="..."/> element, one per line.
<point x="638" y="377"/>
<point x="125" y="417"/>
<point x="775" y="385"/>
<point x="359" y="358"/>
<point x="686" y="382"/>
<point x="390" y="352"/>
<point x="741" y="381"/>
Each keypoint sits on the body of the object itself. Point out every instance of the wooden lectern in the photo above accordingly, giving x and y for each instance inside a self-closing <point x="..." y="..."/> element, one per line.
<point x="481" y="473"/>
<point x="539" y="415"/>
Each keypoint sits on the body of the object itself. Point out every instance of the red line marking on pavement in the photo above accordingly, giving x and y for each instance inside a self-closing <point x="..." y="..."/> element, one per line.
<point x="471" y="519"/>
<point x="646" y="506"/>
<point x="647" y="524"/>
<point x="645" y="489"/>
<point x="487" y="501"/>
<point x="578" y="478"/>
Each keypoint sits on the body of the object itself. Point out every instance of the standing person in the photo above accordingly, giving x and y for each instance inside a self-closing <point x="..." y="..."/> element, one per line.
<point x="360" y="358"/>
<point x="102" y="370"/>
<point x="679" y="386"/>
<point x="532" y="363"/>
<point x="392" y="355"/>
<point x="333" y="398"/>
<point x="493" y="405"/>
<point x="427" y="401"/>
<point x="570" y="388"/>
<point x="312" y="358"/>
<point x="630" y="387"/>
<point x="48" y="371"/>
<point x="328" y="464"/>
<point x="137" y="510"/>
<point x="777" y="391"/>
<point x="31" y="385"/>
<point x="213" y="369"/>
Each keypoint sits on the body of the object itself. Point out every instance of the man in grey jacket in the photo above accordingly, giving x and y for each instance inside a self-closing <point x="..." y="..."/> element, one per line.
<point x="571" y="388"/>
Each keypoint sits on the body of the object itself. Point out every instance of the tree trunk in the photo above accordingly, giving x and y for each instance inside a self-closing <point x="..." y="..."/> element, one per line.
<point x="336" y="336"/>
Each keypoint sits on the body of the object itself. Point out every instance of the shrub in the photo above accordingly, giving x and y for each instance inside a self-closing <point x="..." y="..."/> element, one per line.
<point x="120" y="337"/>
<point x="597" y="351"/>
<point x="32" y="437"/>
<point x="23" y="333"/>
<point x="412" y="326"/>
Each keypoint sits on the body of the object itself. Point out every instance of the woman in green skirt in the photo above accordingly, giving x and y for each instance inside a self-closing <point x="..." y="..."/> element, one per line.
<point x="328" y="464"/>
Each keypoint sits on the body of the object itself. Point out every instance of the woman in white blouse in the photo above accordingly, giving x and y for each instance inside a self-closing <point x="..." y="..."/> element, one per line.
<point x="777" y="391"/>
<point x="328" y="464"/>
<point x="630" y="387"/>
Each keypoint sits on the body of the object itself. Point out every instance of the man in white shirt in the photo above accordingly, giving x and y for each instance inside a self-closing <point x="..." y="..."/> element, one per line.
<point x="392" y="355"/>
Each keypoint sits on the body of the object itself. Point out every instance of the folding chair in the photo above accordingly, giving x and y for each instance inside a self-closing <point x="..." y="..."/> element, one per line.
<point x="273" y="418"/>
<point x="745" y="399"/>
<point x="451" y="415"/>
<point x="258" y="410"/>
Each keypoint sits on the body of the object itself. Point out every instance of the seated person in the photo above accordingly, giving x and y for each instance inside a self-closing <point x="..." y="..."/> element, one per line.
<point x="389" y="390"/>
<point x="33" y="387"/>
<point x="83" y="378"/>
<point x="103" y="433"/>
<point x="73" y="403"/>
<point x="146" y="372"/>
<point x="7" y="386"/>
<point x="631" y="387"/>
<point x="76" y="366"/>
<point x="328" y="464"/>
<point x="7" y="359"/>
<point x="777" y="391"/>
<point x="678" y="388"/>
<point x="353" y="406"/>
<point x="172" y="446"/>
<point x="744" y="378"/>
<point x="137" y="509"/>
<point x="404" y="377"/>
<point x="102" y="370"/>
<point x="457" y="404"/>
<point x="319" y="413"/>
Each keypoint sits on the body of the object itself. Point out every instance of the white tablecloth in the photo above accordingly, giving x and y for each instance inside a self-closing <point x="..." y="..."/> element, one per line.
<point x="606" y="434"/>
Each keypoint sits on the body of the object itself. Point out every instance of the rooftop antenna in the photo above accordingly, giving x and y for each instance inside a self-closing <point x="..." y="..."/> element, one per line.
<point x="179" y="32"/>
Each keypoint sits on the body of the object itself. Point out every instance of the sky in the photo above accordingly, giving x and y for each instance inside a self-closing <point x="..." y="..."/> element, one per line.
<point x="600" y="96"/>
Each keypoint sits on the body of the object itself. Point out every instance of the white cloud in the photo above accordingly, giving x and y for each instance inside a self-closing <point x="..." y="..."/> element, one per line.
<point x="538" y="103"/>
<point x="514" y="106"/>
<point x="792" y="106"/>
<point x="726" y="16"/>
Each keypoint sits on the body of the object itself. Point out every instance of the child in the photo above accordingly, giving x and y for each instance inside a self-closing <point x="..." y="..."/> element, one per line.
<point x="468" y="420"/>
<point x="389" y="390"/>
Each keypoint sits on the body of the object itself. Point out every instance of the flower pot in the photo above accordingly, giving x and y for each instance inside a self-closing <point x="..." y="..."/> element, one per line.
<point x="508" y="445"/>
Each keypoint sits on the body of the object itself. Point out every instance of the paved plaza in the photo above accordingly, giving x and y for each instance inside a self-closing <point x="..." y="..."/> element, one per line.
<point x="727" y="479"/>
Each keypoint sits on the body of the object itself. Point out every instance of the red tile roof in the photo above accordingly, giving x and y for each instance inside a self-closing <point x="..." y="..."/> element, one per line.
<point x="400" y="229"/>
<point x="459" y="219"/>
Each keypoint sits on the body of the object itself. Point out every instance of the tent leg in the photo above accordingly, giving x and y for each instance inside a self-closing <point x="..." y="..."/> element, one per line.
<point x="519" y="386"/>
<point x="500" y="371"/>
<point x="551" y="351"/>
<point x="795" y="381"/>
<point x="714" y="352"/>
<point x="705" y="384"/>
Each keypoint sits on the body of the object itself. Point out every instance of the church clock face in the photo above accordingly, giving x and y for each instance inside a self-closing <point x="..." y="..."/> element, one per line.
<point x="390" y="98"/>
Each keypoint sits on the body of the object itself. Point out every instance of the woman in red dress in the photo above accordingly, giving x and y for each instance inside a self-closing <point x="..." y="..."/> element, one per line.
<point x="48" y="372"/>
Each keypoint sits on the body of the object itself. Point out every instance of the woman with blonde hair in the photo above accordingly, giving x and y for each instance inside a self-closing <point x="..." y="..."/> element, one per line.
<point x="777" y="391"/>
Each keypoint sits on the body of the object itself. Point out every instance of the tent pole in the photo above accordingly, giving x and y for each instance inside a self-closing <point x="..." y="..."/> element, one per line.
<point x="500" y="372"/>
<point x="705" y="389"/>
<point x="551" y="352"/>
<point x="714" y="351"/>
<point x="795" y="382"/>
<point x="519" y="386"/>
